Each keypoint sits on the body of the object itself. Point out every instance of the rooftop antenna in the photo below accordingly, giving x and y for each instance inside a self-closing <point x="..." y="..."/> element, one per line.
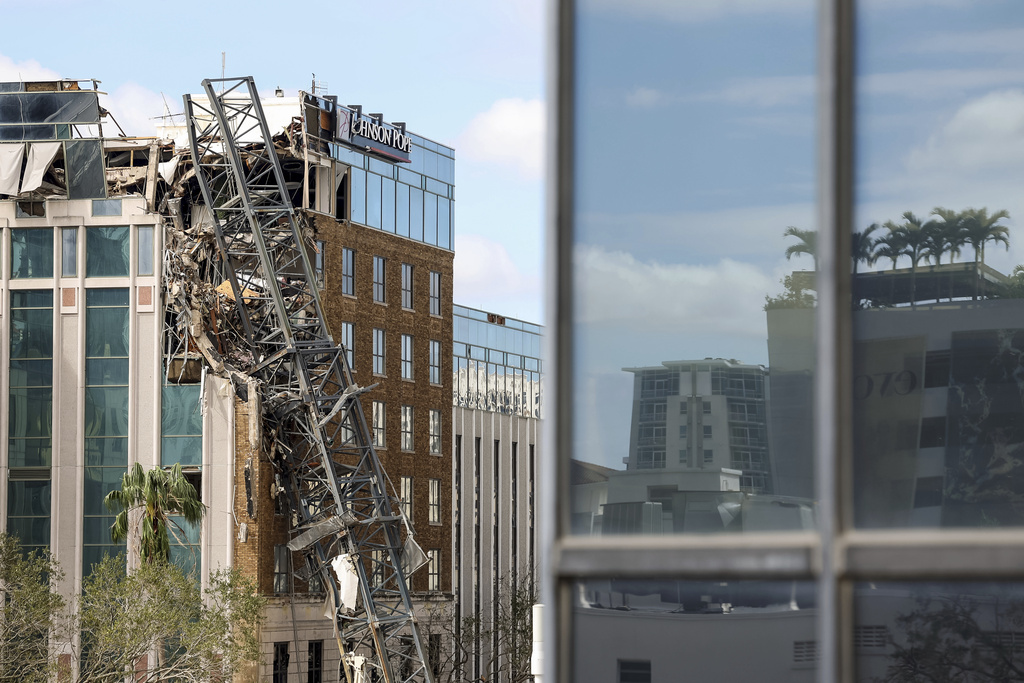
<point x="318" y="86"/>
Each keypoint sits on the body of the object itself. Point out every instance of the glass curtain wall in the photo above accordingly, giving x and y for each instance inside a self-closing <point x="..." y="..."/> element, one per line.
<point x="106" y="414"/>
<point x="30" y="417"/>
<point x="791" y="386"/>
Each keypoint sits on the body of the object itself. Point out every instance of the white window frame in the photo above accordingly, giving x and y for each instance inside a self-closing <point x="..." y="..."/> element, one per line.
<point x="407" y="428"/>
<point x="379" y="351"/>
<point x="407" y="286"/>
<point x="434" y="502"/>
<point x="380" y="434"/>
<point x="407" y="351"/>
<point x="435" y="432"/>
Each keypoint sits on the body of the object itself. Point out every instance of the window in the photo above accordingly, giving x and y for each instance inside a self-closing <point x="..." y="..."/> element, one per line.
<point x="684" y="456"/>
<point x="348" y="272"/>
<point x="434" y="502"/>
<point x="378" y="424"/>
<point x="405" y="497"/>
<point x="348" y="340"/>
<point x="435" y="361"/>
<point x="282" y="569"/>
<point x="683" y="407"/>
<point x="107" y="252"/>
<point x="707" y="407"/>
<point x="407" y="286"/>
<point x="634" y="671"/>
<point x="69" y="252"/>
<point x="406" y="428"/>
<point x="707" y="431"/>
<point x="435" y="293"/>
<point x="32" y="252"/>
<point x="145" y="250"/>
<point x="318" y="263"/>
<point x="407" y="356"/>
<point x="435" y="432"/>
<point x="280" y="662"/>
<point x="709" y="455"/>
<point x="378" y="351"/>
<point x="379" y="263"/>
<point x="434" y="569"/>
<point x="315" y="663"/>
<point x="682" y="431"/>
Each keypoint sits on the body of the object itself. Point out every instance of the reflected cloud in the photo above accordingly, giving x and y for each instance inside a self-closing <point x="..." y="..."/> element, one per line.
<point x="774" y="91"/>
<point x="937" y="84"/>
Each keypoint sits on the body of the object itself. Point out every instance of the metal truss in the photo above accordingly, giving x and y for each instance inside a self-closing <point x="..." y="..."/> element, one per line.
<point x="319" y="442"/>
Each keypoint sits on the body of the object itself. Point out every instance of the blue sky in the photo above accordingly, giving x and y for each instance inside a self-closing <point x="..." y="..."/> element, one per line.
<point x="697" y="130"/>
<point x="467" y="74"/>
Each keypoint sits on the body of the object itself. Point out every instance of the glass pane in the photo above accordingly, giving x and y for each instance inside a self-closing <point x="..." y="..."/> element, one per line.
<point x="388" y="205"/>
<point x="416" y="213"/>
<point x="694" y="135"/>
<point x="107" y="452"/>
<point x="107" y="252"/>
<point x="357" y="213"/>
<point x="106" y="332"/>
<point x="84" y="159"/>
<point x="106" y="411"/>
<point x="34" y="452"/>
<point x="187" y="450"/>
<point x="99" y="481"/>
<point x="181" y="412"/>
<point x="373" y="201"/>
<point x="938" y="289"/>
<point x="939" y="631"/>
<point x="30" y="412"/>
<point x="31" y="252"/>
<point x="146" y="250"/>
<point x="639" y="631"/>
<point x="28" y="498"/>
<point x="31" y="531"/>
<point x="69" y="252"/>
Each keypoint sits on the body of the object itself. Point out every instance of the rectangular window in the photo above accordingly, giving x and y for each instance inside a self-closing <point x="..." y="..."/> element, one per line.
<point x="407" y="356"/>
<point x="684" y="457"/>
<point x="378" y="425"/>
<point x="107" y="252"/>
<point x="378" y="351"/>
<point x="31" y="252"/>
<point x="348" y="271"/>
<point x="707" y="431"/>
<point x="435" y="293"/>
<point x="683" y="407"/>
<point x="709" y="455"/>
<point x="407" y="286"/>
<point x="348" y="340"/>
<point x="405" y="497"/>
<point x="280" y="663"/>
<point x="379" y="268"/>
<point x="435" y="361"/>
<point x="282" y="569"/>
<point x="707" y="407"/>
<point x="434" y="569"/>
<point x="435" y="432"/>
<point x="318" y="263"/>
<point x="682" y="431"/>
<point x="634" y="671"/>
<point x="69" y="252"/>
<point x="407" y="428"/>
<point x="145" y="250"/>
<point x="315" y="663"/>
<point x="434" y="502"/>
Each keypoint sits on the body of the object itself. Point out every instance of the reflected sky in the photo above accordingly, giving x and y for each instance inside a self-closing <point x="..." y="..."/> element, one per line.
<point x="695" y="134"/>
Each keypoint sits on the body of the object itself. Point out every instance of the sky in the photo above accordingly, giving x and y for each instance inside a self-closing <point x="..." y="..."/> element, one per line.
<point x="696" y="148"/>
<point x="467" y="74"/>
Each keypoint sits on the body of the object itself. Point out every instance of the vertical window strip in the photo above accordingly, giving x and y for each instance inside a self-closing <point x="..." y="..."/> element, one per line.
<point x="348" y="271"/>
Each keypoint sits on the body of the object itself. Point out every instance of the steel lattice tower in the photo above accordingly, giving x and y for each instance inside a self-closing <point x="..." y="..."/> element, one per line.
<point x="320" y="445"/>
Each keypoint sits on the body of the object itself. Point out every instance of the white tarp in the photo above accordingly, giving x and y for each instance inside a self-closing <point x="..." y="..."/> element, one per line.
<point x="348" y="581"/>
<point x="413" y="556"/>
<point x="11" y="156"/>
<point x="40" y="156"/>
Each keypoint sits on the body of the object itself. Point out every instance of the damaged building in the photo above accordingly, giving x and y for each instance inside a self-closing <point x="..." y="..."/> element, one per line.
<point x="125" y="340"/>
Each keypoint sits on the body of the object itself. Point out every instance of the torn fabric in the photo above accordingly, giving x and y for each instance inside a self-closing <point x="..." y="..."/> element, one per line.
<point x="40" y="156"/>
<point x="413" y="556"/>
<point x="11" y="156"/>
<point x="348" y="581"/>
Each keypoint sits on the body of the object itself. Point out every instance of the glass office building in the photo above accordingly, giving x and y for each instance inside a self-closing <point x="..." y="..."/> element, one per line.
<point x="828" y="190"/>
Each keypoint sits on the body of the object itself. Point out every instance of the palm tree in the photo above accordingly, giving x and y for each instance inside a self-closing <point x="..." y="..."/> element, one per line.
<point x="981" y="228"/>
<point x="863" y="247"/>
<point x="890" y="246"/>
<point x="913" y="236"/>
<point x="159" y="495"/>
<point x="808" y="243"/>
<point x="951" y="230"/>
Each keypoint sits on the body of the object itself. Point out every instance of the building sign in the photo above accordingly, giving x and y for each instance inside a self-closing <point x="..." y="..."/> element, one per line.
<point x="328" y="122"/>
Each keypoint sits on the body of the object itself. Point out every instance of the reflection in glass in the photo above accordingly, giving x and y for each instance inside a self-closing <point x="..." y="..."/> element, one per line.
<point x="693" y="269"/>
<point x="642" y="630"/>
<point x="938" y="292"/>
<point x="939" y="631"/>
<point x="31" y="252"/>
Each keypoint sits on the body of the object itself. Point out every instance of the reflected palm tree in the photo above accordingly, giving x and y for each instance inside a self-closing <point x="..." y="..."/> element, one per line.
<point x="862" y="248"/>
<point x="950" y="230"/>
<point x="808" y="243"/>
<point x="913" y="236"/>
<point x="981" y="228"/>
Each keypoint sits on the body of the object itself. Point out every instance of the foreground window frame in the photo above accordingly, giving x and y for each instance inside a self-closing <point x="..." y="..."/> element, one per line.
<point x="837" y="555"/>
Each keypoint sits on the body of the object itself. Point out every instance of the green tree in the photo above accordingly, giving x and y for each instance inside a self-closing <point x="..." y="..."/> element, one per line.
<point x="199" y="635"/>
<point x="863" y="247"/>
<point x="32" y="615"/>
<point x="159" y="495"/>
<point x="980" y="229"/>
<point x="913" y="235"/>
<point x="808" y="243"/>
<point x="794" y="296"/>
<point x="949" y="229"/>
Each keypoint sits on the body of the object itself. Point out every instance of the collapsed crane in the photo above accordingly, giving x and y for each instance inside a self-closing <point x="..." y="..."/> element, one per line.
<point x="344" y="519"/>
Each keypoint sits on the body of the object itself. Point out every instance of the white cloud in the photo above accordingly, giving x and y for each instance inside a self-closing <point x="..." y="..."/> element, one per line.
<point x="645" y="98"/>
<point x="723" y="299"/>
<point x="486" y="277"/>
<point x="510" y="133"/>
<point x="28" y="70"/>
<point x="135" y="108"/>
<point x="765" y="92"/>
<point x="938" y="84"/>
